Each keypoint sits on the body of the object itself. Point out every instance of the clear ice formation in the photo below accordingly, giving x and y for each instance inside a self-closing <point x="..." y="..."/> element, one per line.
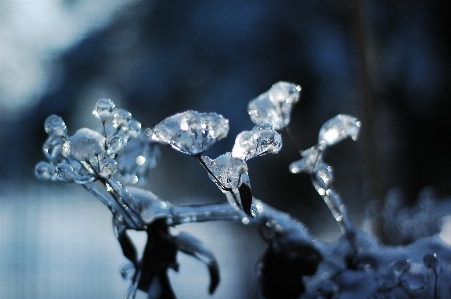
<point x="104" y="109"/>
<point x="338" y="128"/>
<point x="309" y="160"/>
<point x="55" y="126"/>
<point x="274" y="106"/>
<point x="226" y="171"/>
<point x="88" y="154"/>
<point x="230" y="175"/>
<point x="260" y="141"/>
<point x="333" y="131"/>
<point x="124" y="152"/>
<point x="137" y="159"/>
<point x="191" y="132"/>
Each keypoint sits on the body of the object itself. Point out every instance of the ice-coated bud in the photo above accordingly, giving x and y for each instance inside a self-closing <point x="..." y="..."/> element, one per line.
<point x="45" y="171"/>
<point x="104" y="108"/>
<point x="274" y="106"/>
<point x="116" y="143"/>
<point x="134" y="127"/>
<point x="52" y="147"/>
<point x="227" y="170"/>
<point x="54" y="125"/>
<point x="284" y="92"/>
<point x="310" y="158"/>
<point x="66" y="173"/>
<point x="108" y="167"/>
<point x="86" y="145"/>
<point x="121" y="118"/>
<point x="260" y="141"/>
<point x="191" y="132"/>
<point x="338" y="128"/>
<point x="323" y="176"/>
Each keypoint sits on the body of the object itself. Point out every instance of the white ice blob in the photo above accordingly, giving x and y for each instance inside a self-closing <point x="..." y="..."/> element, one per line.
<point x="260" y="141"/>
<point x="338" y="128"/>
<point x="274" y="106"/>
<point x="191" y="132"/>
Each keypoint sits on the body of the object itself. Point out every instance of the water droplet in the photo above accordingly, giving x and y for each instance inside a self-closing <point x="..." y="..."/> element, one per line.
<point x="45" y="171"/>
<point x="140" y="160"/>
<point x="54" y="125"/>
<point x="191" y="132"/>
<point x="401" y="266"/>
<point x="338" y="128"/>
<point x="324" y="175"/>
<point x="103" y="109"/>
<point x="121" y="118"/>
<point x="430" y="260"/>
<point x="52" y="147"/>
<point x="86" y="145"/>
<point x="116" y="143"/>
<point x="66" y="173"/>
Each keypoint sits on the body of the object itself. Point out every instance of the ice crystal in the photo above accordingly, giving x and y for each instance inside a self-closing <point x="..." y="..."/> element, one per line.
<point x="307" y="164"/>
<point x="191" y="132"/>
<point x="66" y="173"/>
<point x="54" y="125"/>
<point x="260" y="141"/>
<point x="46" y="171"/>
<point x="333" y="131"/>
<point x="338" y="128"/>
<point x="274" y="106"/>
<point x="104" y="109"/>
<point x="139" y="156"/>
<point x="295" y="264"/>
<point x="226" y="171"/>
<point x="86" y="145"/>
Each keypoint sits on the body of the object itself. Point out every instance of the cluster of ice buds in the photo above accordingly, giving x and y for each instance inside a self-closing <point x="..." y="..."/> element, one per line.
<point x="332" y="132"/>
<point x="192" y="133"/>
<point x="89" y="155"/>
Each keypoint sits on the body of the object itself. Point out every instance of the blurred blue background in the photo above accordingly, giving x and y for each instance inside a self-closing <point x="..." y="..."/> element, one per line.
<point x="386" y="62"/>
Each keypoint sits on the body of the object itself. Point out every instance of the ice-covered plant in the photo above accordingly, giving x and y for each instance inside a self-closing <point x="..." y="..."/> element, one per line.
<point x="113" y="162"/>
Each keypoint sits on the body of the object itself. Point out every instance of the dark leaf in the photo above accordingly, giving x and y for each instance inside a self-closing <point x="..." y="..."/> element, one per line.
<point x="128" y="248"/>
<point x="194" y="247"/>
<point x="246" y="198"/>
<point x="159" y="255"/>
<point x="283" y="264"/>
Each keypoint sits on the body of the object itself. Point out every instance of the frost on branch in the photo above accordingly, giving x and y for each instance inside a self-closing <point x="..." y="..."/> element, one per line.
<point x="191" y="132"/>
<point x="333" y="131"/>
<point x="260" y="141"/>
<point x="295" y="264"/>
<point x="274" y="106"/>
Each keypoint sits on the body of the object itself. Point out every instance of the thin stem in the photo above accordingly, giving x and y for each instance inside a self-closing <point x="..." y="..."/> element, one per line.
<point x="338" y="210"/>
<point x="112" y="203"/>
<point x="203" y="213"/>
<point x="217" y="181"/>
<point x="102" y="196"/>
<point x="290" y="137"/>
<point x="119" y="195"/>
